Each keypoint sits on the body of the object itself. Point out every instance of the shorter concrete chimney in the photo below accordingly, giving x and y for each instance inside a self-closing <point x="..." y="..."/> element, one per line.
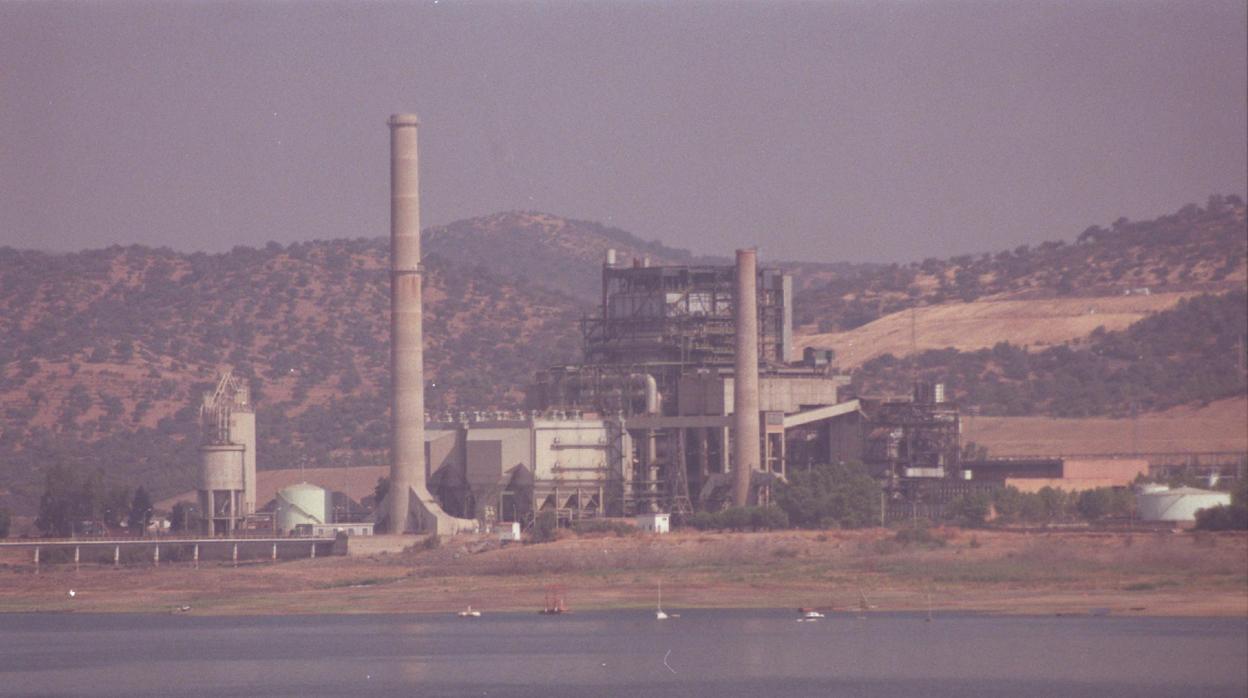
<point x="746" y="428"/>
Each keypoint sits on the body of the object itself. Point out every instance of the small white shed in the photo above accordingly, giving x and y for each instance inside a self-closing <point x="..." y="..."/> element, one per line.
<point x="655" y="523"/>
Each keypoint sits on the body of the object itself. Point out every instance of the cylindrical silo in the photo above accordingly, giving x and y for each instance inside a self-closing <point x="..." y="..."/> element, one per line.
<point x="1177" y="505"/>
<point x="221" y="487"/>
<point x="303" y="503"/>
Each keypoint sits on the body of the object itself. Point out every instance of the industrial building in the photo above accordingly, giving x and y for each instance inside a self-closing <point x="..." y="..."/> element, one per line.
<point x="653" y="420"/>
<point x="227" y="451"/>
<point x="688" y="397"/>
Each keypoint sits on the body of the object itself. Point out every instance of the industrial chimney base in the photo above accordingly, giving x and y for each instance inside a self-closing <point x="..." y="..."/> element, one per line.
<point x="425" y="515"/>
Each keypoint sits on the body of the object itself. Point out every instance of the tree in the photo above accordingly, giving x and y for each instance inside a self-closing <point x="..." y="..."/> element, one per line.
<point x="1095" y="504"/>
<point x="545" y="526"/>
<point x="840" y="494"/>
<point x="181" y="516"/>
<point x="1008" y="502"/>
<point x="380" y="490"/>
<point x="6" y="519"/>
<point x="140" y="511"/>
<point x="1056" y="503"/>
<point x="116" y="506"/>
<point x="970" y="510"/>
<point x="1223" y="518"/>
<point x="60" y="503"/>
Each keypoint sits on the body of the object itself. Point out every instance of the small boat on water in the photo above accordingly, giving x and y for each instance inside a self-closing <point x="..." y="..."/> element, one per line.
<point x="809" y="615"/>
<point x="658" y="613"/>
<point x="469" y="612"/>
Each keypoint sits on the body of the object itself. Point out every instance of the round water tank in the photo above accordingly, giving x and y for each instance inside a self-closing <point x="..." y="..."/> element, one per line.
<point x="1180" y="504"/>
<point x="221" y="467"/>
<point x="303" y="503"/>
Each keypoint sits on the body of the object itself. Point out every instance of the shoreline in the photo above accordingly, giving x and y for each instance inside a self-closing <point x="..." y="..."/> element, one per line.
<point x="984" y="572"/>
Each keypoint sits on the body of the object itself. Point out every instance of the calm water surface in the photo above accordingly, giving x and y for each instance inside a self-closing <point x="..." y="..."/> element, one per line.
<point x="714" y="653"/>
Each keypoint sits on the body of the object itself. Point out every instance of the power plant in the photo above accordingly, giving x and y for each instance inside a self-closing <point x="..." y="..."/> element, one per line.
<point x="688" y="397"/>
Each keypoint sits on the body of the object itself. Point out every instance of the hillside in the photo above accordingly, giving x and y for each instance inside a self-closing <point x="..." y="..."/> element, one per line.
<point x="980" y="325"/>
<point x="567" y="255"/>
<point x="546" y="250"/>
<point x="1218" y="426"/>
<point x="1191" y="353"/>
<point x="103" y="353"/>
<point x="1195" y="249"/>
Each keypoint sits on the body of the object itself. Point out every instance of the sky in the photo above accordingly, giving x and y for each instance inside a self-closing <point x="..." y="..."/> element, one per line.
<point x="822" y="131"/>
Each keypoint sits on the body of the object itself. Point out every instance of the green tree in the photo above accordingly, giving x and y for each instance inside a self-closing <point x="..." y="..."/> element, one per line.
<point x="60" y="503"/>
<point x="737" y="518"/>
<point x="1095" y="504"/>
<point x="1223" y="518"/>
<point x="1008" y="502"/>
<point x="181" y="516"/>
<point x="140" y="512"/>
<point x="545" y="526"/>
<point x="1055" y="503"/>
<point x="115" y="506"/>
<point x="380" y="490"/>
<point x="6" y="520"/>
<point x="970" y="510"/>
<point x="840" y="494"/>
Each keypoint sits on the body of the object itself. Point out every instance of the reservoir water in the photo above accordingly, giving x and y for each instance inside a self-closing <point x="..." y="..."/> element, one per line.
<point x="702" y="653"/>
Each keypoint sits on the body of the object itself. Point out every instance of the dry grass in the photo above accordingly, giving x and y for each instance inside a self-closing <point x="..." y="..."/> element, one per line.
<point x="999" y="572"/>
<point x="983" y="323"/>
<point x="1218" y="426"/>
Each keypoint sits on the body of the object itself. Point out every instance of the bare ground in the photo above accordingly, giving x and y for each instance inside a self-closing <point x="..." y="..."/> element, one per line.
<point x="983" y="323"/>
<point x="1153" y="573"/>
<point x="1218" y="426"/>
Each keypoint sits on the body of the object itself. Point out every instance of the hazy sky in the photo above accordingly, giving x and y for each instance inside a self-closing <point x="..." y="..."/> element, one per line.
<point x="816" y="130"/>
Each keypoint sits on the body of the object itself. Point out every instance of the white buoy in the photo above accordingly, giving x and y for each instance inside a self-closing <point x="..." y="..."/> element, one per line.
<point x="72" y="593"/>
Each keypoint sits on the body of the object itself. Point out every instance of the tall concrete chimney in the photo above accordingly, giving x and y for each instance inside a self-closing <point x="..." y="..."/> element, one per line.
<point x="745" y="382"/>
<point x="407" y="453"/>
<point x="408" y="479"/>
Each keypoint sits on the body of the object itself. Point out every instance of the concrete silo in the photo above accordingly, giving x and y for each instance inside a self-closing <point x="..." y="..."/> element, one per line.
<point x="303" y="503"/>
<point x="227" y="452"/>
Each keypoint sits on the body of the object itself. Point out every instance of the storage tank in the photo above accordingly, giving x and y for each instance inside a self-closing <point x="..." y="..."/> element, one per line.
<point x="303" y="503"/>
<point x="1179" y="504"/>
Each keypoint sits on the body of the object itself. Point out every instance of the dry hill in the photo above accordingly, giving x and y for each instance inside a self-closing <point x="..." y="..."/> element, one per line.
<point x="103" y="352"/>
<point x="985" y="322"/>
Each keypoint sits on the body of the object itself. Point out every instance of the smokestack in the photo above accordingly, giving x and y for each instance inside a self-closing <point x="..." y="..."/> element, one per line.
<point x="407" y="454"/>
<point x="745" y="384"/>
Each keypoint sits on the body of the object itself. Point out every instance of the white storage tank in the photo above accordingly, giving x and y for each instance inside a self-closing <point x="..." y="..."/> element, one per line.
<point x="1178" y="504"/>
<point x="303" y="503"/>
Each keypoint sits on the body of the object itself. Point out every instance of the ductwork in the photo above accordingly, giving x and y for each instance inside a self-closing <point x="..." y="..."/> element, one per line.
<point x="634" y="383"/>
